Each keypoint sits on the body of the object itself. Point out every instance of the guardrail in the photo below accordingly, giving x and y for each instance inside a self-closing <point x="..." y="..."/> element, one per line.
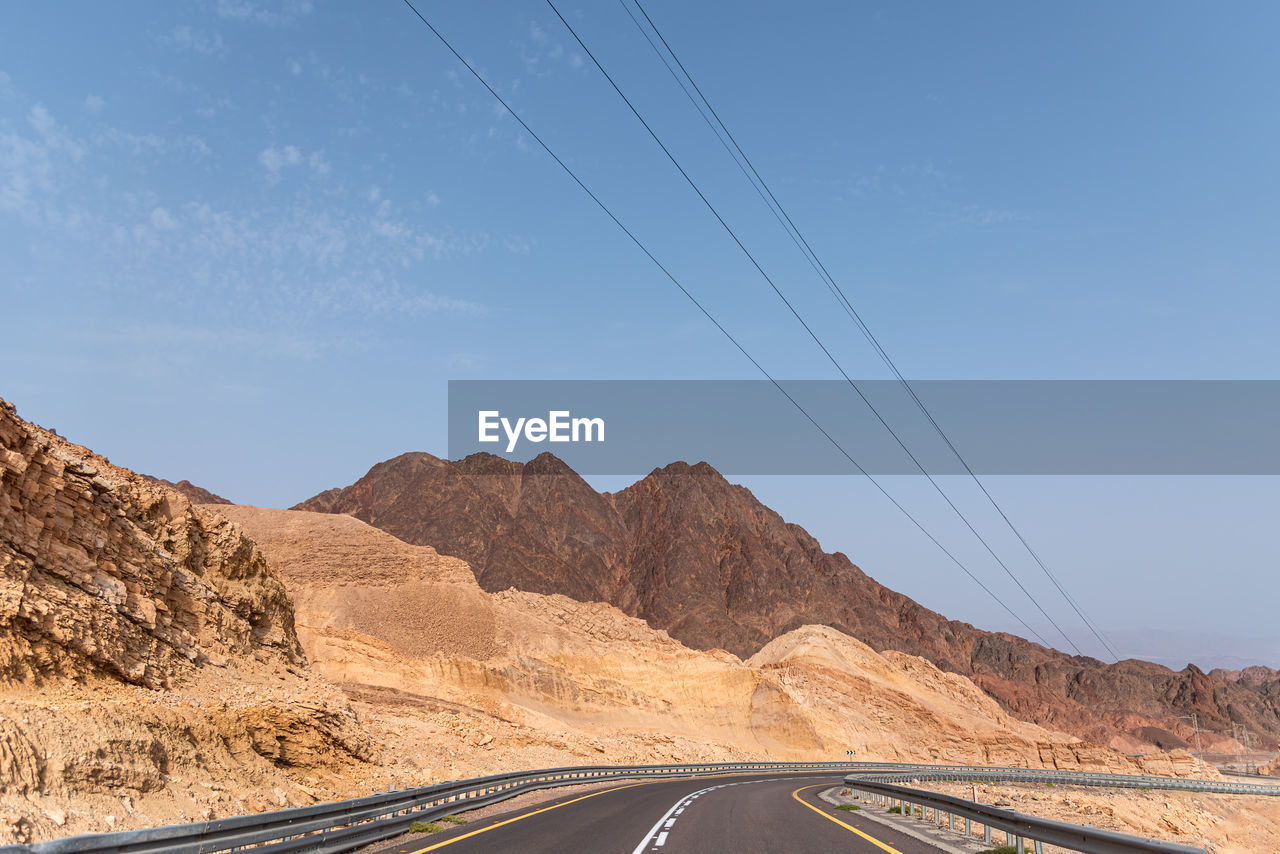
<point x="346" y="825"/>
<point x="906" y="772"/>
<point x="881" y="783"/>
<point x="339" y="826"/>
<point x="1017" y="827"/>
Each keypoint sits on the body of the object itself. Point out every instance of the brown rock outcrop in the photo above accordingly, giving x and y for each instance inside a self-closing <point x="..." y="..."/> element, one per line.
<point x="149" y="666"/>
<point x="701" y="558"/>
<point x="102" y="572"/>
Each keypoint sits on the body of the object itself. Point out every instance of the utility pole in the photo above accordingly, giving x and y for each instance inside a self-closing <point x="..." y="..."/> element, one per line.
<point x="1241" y="735"/>
<point x="1195" y="724"/>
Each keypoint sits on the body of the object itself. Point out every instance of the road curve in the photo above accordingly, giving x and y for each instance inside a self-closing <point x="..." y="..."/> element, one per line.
<point x="758" y="814"/>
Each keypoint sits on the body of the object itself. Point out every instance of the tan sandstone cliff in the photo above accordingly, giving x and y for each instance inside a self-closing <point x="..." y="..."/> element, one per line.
<point x="404" y="628"/>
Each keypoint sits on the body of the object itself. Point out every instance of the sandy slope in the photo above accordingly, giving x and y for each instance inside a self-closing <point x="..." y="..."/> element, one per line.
<point x="1219" y="823"/>
<point x="414" y="639"/>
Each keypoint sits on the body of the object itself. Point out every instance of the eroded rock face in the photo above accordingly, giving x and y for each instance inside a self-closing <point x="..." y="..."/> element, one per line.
<point x="150" y="671"/>
<point x="105" y="573"/>
<point x="703" y="559"/>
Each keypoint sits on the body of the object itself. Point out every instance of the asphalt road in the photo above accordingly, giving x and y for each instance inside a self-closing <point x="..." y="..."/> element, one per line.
<point x="765" y="814"/>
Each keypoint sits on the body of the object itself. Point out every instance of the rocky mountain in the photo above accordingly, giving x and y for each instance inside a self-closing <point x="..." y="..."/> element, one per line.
<point x="149" y="665"/>
<point x="195" y="494"/>
<point x="701" y="558"/>
<point x="1257" y="676"/>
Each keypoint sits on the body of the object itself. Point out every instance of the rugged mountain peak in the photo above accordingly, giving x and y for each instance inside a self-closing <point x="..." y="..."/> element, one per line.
<point x="548" y="463"/>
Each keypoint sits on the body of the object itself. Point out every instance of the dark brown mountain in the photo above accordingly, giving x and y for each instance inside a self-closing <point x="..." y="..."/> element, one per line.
<point x="691" y="553"/>
<point x="194" y="494"/>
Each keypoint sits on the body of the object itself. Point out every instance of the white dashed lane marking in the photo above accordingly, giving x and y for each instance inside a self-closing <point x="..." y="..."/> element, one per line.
<point x="658" y="833"/>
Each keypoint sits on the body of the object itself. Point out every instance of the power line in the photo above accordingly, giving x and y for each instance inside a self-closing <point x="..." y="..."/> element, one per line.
<point x="831" y="357"/>
<point x="716" y="323"/>
<point x="833" y="286"/>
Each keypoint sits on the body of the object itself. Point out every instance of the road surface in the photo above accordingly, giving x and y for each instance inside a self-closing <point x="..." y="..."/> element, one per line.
<point x="759" y="814"/>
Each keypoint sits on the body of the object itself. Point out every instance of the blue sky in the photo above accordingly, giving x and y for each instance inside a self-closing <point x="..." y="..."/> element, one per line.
<point x="248" y="243"/>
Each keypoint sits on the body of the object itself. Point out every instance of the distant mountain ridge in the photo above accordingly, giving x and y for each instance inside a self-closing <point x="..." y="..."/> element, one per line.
<point x="693" y="554"/>
<point x="194" y="494"/>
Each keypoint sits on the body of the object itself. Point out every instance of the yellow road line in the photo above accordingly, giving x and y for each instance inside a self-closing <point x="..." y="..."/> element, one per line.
<point x="526" y="815"/>
<point x="876" y="842"/>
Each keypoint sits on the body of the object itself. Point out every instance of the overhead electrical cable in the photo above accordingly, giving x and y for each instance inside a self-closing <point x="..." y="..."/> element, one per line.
<point x="831" y="357"/>
<point x="643" y="248"/>
<point x="797" y="237"/>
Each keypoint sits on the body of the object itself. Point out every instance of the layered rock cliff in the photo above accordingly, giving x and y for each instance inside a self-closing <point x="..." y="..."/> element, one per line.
<point x="146" y="650"/>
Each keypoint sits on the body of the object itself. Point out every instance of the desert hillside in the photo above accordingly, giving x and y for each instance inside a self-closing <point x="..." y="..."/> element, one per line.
<point x="377" y="616"/>
<point x="165" y="662"/>
<point x="691" y="553"/>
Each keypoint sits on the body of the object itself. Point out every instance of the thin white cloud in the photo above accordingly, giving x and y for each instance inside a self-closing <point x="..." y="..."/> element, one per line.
<point x="980" y="215"/>
<point x="517" y="244"/>
<point x="151" y="143"/>
<point x="192" y="342"/>
<point x="291" y="255"/>
<point x="26" y="170"/>
<point x="275" y="160"/>
<point x="186" y="37"/>
<point x="301" y="260"/>
<point x="40" y="166"/>
<point x="213" y="107"/>
<point x="31" y="166"/>
<point x="276" y="15"/>
<point x="318" y="164"/>
<point x="541" y="53"/>
<point x="94" y="104"/>
<point x="162" y="220"/>
<point x="464" y="361"/>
